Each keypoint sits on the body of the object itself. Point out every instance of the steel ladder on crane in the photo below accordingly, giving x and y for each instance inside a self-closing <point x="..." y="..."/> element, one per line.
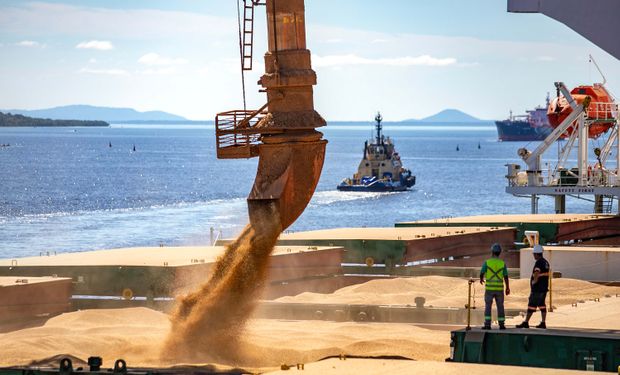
<point x="236" y="135"/>
<point x="248" y="32"/>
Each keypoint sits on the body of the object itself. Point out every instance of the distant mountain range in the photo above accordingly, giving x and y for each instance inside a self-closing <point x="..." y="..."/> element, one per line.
<point x="92" y="113"/>
<point x="129" y="115"/>
<point x="449" y="116"/>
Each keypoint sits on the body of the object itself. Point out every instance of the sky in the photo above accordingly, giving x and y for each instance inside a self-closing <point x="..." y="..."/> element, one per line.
<point x="406" y="58"/>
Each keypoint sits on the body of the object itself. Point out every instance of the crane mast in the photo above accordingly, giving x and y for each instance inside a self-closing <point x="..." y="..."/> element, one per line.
<point x="282" y="132"/>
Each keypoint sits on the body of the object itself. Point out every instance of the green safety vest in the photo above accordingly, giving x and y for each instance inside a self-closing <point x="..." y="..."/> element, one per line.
<point x="494" y="275"/>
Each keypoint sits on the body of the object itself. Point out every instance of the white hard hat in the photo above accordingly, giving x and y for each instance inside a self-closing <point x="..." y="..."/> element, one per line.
<point x="538" y="249"/>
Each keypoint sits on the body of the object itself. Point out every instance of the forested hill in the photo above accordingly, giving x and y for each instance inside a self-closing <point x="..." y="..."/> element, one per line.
<point x="7" y="119"/>
<point x="90" y="113"/>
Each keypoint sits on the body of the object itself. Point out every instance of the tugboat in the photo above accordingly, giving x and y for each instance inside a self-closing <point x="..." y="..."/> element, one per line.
<point x="381" y="169"/>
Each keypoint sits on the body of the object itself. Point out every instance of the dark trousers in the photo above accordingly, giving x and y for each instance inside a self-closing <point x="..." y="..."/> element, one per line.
<point x="537" y="300"/>
<point x="498" y="295"/>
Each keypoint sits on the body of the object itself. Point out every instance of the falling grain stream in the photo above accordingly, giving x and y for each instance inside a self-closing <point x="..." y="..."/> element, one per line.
<point x="208" y="324"/>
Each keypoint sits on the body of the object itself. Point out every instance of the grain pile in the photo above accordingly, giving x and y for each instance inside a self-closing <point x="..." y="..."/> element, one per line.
<point x="440" y="291"/>
<point x="137" y="334"/>
<point x="134" y="334"/>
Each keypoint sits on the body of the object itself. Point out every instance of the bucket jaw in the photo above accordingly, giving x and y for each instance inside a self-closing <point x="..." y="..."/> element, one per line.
<point x="288" y="174"/>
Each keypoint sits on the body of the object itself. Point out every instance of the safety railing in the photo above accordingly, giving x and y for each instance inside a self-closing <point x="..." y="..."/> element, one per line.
<point x="601" y="111"/>
<point x="236" y="133"/>
<point x="566" y="178"/>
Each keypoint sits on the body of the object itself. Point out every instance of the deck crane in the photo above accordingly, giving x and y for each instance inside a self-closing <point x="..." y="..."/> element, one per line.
<point x="533" y="159"/>
<point x="282" y="132"/>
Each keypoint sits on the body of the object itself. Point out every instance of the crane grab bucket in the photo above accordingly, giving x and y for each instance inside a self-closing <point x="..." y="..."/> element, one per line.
<point x="282" y="133"/>
<point x="287" y="173"/>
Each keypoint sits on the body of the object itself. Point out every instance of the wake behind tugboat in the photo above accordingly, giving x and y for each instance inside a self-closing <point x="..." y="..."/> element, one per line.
<point x="380" y="169"/>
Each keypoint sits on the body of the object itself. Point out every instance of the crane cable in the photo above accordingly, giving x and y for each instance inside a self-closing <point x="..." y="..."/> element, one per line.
<point x="241" y="52"/>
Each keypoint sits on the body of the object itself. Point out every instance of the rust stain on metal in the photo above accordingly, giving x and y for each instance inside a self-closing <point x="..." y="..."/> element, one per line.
<point x="282" y="133"/>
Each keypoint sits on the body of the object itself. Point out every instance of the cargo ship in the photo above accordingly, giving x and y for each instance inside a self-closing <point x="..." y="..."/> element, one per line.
<point x="533" y="126"/>
<point x="381" y="169"/>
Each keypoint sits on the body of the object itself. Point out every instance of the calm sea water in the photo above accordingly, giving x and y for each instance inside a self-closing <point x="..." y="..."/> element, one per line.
<point x="66" y="190"/>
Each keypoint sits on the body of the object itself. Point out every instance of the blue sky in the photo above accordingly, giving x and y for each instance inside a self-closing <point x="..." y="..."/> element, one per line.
<point x="409" y="59"/>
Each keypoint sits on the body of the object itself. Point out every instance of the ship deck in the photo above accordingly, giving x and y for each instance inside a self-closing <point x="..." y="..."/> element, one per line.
<point x="166" y="271"/>
<point x="553" y="228"/>
<point x="145" y="256"/>
<point x="387" y="233"/>
<point x="439" y="246"/>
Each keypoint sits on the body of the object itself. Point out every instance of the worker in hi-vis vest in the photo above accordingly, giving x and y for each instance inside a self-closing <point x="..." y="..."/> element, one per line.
<point x="494" y="273"/>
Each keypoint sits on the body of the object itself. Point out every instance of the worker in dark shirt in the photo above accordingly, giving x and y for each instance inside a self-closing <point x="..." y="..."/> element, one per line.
<point x="539" y="283"/>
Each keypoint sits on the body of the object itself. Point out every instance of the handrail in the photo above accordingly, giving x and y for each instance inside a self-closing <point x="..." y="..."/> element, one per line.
<point x="235" y="133"/>
<point x="602" y="111"/>
<point x="246" y="121"/>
